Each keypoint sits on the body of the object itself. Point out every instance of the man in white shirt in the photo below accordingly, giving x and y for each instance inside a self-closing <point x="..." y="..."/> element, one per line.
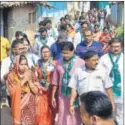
<point x="91" y="77"/>
<point x="113" y="63"/>
<point x="18" y="47"/>
<point x="42" y="40"/>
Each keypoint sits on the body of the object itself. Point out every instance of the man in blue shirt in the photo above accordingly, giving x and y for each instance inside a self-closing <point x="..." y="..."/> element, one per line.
<point x="57" y="46"/>
<point x="88" y="44"/>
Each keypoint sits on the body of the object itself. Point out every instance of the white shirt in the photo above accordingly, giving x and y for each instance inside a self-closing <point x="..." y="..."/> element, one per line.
<point x="50" y="33"/>
<point x="84" y="81"/>
<point x="77" y="39"/>
<point x="5" y="65"/>
<point x="106" y="63"/>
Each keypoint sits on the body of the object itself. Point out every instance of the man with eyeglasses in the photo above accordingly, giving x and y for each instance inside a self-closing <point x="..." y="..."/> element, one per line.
<point x="18" y="47"/>
<point x="88" y="44"/>
<point x="113" y="63"/>
<point x="84" y="26"/>
<point x="6" y="65"/>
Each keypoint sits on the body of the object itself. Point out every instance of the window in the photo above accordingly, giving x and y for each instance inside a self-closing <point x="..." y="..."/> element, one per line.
<point x="32" y="17"/>
<point x="29" y="18"/>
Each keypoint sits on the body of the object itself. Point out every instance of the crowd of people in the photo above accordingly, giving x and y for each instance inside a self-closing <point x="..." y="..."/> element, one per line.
<point x="71" y="74"/>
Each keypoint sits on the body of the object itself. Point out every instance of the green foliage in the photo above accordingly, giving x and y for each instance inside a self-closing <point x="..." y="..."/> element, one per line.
<point x="120" y="32"/>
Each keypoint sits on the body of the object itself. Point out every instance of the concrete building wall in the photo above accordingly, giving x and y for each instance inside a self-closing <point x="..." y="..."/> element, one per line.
<point x="18" y="19"/>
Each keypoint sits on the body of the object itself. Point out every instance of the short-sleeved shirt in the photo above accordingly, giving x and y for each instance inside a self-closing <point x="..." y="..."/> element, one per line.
<point x="84" y="81"/>
<point x="82" y="48"/>
<point x="5" y="44"/>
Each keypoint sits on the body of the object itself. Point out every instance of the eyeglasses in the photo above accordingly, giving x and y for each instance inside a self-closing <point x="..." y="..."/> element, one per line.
<point x="84" y="27"/>
<point x="19" y="49"/>
<point x="88" y="35"/>
<point x="46" y="52"/>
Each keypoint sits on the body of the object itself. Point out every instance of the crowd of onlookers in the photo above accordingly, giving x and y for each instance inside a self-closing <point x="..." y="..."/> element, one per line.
<point x="78" y="64"/>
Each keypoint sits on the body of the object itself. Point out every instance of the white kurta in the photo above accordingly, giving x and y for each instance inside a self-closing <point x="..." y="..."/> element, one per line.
<point x="106" y="63"/>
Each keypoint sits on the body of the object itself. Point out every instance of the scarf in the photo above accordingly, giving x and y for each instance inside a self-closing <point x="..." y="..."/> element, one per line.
<point x="115" y="75"/>
<point x="43" y="41"/>
<point x="33" y="61"/>
<point x="66" y="91"/>
<point x="44" y="73"/>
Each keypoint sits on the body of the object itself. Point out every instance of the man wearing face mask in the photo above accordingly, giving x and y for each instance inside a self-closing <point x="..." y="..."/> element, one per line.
<point x="113" y="63"/>
<point x="88" y="44"/>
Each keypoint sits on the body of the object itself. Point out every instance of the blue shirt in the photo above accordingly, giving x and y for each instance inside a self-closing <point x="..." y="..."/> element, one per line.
<point x="56" y="51"/>
<point x="82" y="48"/>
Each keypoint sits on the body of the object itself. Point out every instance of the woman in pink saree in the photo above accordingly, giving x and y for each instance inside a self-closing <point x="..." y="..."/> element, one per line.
<point x="27" y="96"/>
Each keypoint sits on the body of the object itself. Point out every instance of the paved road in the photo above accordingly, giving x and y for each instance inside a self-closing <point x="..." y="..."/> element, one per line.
<point x="6" y="118"/>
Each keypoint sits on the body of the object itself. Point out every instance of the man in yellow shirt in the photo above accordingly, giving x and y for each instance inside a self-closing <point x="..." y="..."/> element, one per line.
<point x="5" y="47"/>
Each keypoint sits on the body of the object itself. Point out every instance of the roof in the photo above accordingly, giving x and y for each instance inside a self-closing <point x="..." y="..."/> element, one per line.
<point x="6" y="4"/>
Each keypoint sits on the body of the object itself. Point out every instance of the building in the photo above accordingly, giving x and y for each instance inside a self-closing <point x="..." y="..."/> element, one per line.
<point x="19" y="16"/>
<point x="25" y="16"/>
<point x="117" y="12"/>
<point x="99" y="4"/>
<point x="58" y="10"/>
